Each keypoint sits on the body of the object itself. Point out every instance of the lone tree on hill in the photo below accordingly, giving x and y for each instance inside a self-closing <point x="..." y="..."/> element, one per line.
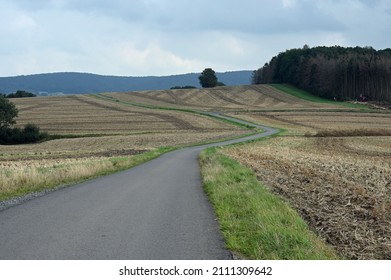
<point x="208" y="78"/>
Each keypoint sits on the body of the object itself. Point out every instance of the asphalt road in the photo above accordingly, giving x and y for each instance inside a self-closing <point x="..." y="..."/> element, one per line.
<point x="157" y="210"/>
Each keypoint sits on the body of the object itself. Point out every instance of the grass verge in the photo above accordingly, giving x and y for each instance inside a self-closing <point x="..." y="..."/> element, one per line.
<point x="22" y="181"/>
<point x="256" y="223"/>
<point x="313" y="98"/>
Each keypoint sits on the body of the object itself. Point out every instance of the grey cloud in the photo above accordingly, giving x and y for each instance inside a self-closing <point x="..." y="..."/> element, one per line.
<point x="34" y="5"/>
<point x="369" y="3"/>
<point x="249" y="16"/>
<point x="258" y="17"/>
<point x="92" y="34"/>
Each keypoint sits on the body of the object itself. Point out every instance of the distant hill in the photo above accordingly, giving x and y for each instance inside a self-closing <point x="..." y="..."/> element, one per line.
<point x="74" y="83"/>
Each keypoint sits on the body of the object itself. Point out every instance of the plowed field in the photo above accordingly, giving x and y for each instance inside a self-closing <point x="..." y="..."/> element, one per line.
<point x="341" y="186"/>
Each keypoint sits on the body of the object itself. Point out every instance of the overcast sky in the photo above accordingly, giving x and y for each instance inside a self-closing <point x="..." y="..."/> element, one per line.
<point x="164" y="37"/>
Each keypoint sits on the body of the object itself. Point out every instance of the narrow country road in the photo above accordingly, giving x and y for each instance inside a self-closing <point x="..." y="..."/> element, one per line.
<point x="157" y="210"/>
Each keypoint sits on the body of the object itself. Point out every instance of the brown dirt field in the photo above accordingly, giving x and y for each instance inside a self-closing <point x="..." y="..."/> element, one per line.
<point x="340" y="186"/>
<point x="250" y="97"/>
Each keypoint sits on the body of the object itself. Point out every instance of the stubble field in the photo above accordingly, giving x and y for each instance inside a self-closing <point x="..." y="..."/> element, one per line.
<point x="340" y="184"/>
<point x="85" y="114"/>
<point x="242" y="98"/>
<point x="99" y="136"/>
<point x="90" y="125"/>
<point x="298" y="122"/>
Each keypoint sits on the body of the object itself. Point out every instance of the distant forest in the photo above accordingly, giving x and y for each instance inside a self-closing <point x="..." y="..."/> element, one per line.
<point x="332" y="72"/>
<point x="19" y="94"/>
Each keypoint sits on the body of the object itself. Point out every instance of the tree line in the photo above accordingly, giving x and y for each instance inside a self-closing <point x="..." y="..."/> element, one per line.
<point x="332" y="72"/>
<point x="19" y="94"/>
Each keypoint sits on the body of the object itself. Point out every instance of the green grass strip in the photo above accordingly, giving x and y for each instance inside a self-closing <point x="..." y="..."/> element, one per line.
<point x="256" y="223"/>
<point x="302" y="94"/>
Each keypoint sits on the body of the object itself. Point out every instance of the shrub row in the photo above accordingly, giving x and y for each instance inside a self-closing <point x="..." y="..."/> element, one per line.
<point x="29" y="134"/>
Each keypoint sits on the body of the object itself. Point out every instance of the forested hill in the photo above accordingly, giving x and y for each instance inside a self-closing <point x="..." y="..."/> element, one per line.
<point x="91" y="83"/>
<point x="333" y="72"/>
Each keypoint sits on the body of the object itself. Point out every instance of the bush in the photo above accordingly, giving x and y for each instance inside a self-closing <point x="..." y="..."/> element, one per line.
<point x="29" y="134"/>
<point x="220" y="84"/>
<point x="20" y="94"/>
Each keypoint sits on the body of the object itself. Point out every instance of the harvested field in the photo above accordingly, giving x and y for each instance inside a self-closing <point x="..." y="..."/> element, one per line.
<point x="221" y="98"/>
<point x="300" y="122"/>
<point x="83" y="114"/>
<point x="340" y="186"/>
<point x="121" y="144"/>
<point x="25" y="176"/>
<point x="32" y="173"/>
<point x="102" y="136"/>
